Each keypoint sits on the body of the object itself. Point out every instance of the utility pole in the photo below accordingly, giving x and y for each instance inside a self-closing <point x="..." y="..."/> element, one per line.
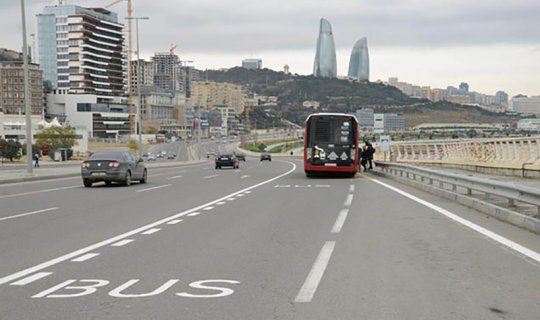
<point x="27" y="97"/>
<point x="139" y="101"/>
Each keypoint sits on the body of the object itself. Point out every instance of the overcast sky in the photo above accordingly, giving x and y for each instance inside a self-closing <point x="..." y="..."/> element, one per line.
<point x="491" y="44"/>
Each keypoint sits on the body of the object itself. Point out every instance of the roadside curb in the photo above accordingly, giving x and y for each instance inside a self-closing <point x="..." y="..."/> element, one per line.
<point x="78" y="173"/>
<point x="502" y="214"/>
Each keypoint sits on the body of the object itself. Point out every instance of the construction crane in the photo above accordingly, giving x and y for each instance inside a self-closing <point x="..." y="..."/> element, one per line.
<point x="173" y="47"/>
<point x="130" y="52"/>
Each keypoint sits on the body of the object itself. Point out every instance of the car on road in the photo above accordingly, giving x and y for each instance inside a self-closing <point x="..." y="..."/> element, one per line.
<point x="266" y="156"/>
<point x="210" y="153"/>
<point x="151" y="157"/>
<point x="171" y="155"/>
<point x="226" y="159"/>
<point x="113" y="166"/>
<point x="240" y="156"/>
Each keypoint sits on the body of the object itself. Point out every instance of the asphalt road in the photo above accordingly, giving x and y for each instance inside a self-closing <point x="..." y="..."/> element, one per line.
<point x="261" y="242"/>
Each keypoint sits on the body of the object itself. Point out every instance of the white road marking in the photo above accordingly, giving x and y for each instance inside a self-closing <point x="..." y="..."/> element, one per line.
<point x="237" y="171"/>
<point x="212" y="176"/>
<point x="221" y="203"/>
<point x="151" y="231"/>
<point x="340" y="221"/>
<point x="85" y="257"/>
<point x="154" y="188"/>
<point x="194" y="214"/>
<point x="245" y="176"/>
<point x="208" y="208"/>
<point x="282" y="186"/>
<point x="348" y="201"/>
<point x="315" y="275"/>
<point x="300" y="186"/>
<point x="120" y="243"/>
<point x="121" y="238"/>
<point x="38" y="191"/>
<point x="490" y="234"/>
<point x="247" y="192"/>
<point x="351" y="188"/>
<point x="28" y="213"/>
<point x="231" y="199"/>
<point x="31" y="279"/>
<point x="175" y="221"/>
<point x="175" y="177"/>
<point x="240" y="195"/>
<point x="322" y="186"/>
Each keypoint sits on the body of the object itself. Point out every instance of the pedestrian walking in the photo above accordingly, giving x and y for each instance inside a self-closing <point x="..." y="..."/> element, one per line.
<point x="36" y="158"/>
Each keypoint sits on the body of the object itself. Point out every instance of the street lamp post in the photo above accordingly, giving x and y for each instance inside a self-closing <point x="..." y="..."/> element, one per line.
<point x="138" y="125"/>
<point x="27" y="97"/>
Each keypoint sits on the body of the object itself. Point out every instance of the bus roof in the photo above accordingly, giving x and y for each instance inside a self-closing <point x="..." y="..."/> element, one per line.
<point x="331" y="114"/>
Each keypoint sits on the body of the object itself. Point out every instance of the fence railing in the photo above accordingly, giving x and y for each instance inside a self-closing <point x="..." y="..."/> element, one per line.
<point x="515" y="153"/>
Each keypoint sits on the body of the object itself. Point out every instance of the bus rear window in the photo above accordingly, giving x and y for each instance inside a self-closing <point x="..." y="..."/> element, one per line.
<point x="326" y="130"/>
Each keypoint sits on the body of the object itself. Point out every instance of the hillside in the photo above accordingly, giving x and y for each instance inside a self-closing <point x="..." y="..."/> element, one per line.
<point x="336" y="95"/>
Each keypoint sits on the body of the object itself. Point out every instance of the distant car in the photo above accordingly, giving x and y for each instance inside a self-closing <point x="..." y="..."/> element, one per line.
<point x="240" y="156"/>
<point x="171" y="155"/>
<point x="210" y="153"/>
<point x="145" y="154"/>
<point x="113" y="166"/>
<point x="226" y="159"/>
<point x="266" y="156"/>
<point x="151" y="157"/>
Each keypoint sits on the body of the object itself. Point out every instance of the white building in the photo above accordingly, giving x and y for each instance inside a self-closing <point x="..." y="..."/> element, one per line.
<point x="529" y="125"/>
<point x="99" y="116"/>
<point x="526" y="105"/>
<point x="252" y="64"/>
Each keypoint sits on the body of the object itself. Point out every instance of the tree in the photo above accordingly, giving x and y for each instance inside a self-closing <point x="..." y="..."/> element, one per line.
<point x="133" y="145"/>
<point x="10" y="149"/>
<point x="57" y="137"/>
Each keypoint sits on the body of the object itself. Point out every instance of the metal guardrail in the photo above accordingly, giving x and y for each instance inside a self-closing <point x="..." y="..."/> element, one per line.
<point x="509" y="191"/>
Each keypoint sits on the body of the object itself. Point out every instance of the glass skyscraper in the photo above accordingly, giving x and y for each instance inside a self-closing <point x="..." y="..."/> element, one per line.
<point x="325" y="65"/>
<point x="359" y="62"/>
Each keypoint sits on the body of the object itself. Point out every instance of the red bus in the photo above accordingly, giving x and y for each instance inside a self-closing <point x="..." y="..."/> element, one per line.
<point x="331" y="144"/>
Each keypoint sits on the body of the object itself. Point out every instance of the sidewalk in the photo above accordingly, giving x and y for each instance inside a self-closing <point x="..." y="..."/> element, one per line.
<point x="531" y="183"/>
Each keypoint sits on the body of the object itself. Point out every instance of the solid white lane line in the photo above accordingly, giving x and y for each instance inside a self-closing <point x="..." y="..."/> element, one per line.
<point x="28" y="213"/>
<point x="121" y="243"/>
<point x="212" y="176"/>
<point x="194" y="214"/>
<point x="351" y="188"/>
<point x="340" y="221"/>
<point x="208" y="208"/>
<point x="175" y="177"/>
<point x="85" y="257"/>
<point x="31" y="279"/>
<point x="151" y="231"/>
<point x="221" y="203"/>
<point x="175" y="221"/>
<point x="116" y="239"/>
<point x="348" y="201"/>
<point x="154" y="188"/>
<point x="245" y="176"/>
<point x="315" y="275"/>
<point x="490" y="234"/>
<point x="38" y="191"/>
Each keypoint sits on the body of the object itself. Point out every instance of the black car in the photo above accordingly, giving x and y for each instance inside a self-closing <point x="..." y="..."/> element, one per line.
<point x="266" y="156"/>
<point x="113" y="166"/>
<point x="227" y="160"/>
<point x="240" y="156"/>
<point x="171" y="155"/>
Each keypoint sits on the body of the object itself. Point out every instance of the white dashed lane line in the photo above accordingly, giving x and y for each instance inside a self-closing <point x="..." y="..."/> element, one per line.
<point x="122" y="243"/>
<point x="221" y="203"/>
<point x="340" y="221"/>
<point x="175" y="221"/>
<point x="175" y="177"/>
<point x="208" y="208"/>
<point x="193" y="214"/>
<point x="154" y="188"/>
<point x="348" y="201"/>
<point x="28" y="213"/>
<point x="212" y="176"/>
<point x="309" y="287"/>
<point x="351" y="188"/>
<point x="245" y="176"/>
<point x="30" y="279"/>
<point x="151" y="231"/>
<point x="85" y="257"/>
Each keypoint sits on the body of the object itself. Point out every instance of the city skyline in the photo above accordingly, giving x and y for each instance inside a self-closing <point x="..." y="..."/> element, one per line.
<point x="464" y="42"/>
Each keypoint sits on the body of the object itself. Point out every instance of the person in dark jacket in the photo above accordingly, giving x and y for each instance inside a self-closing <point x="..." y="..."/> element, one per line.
<point x="369" y="154"/>
<point x="363" y="158"/>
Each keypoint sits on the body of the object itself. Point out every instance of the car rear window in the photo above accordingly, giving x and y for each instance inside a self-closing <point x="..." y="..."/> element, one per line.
<point x="108" y="156"/>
